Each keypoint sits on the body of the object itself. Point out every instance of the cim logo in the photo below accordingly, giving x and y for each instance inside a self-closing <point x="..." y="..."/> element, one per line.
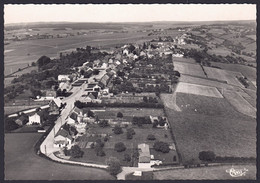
<point x="236" y="172"/>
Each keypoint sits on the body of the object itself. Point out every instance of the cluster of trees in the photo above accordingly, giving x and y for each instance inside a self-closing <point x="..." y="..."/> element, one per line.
<point x="76" y="152"/>
<point x="141" y="120"/>
<point x="150" y="99"/>
<point x="140" y="105"/>
<point x="207" y="156"/>
<point x="9" y="124"/>
<point x="243" y="81"/>
<point x="161" y="121"/>
<point x="161" y="146"/>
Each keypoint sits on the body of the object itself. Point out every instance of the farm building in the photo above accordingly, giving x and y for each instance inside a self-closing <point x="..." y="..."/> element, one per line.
<point x="63" y="139"/>
<point x="22" y="120"/>
<point x="144" y="156"/>
<point x="72" y="119"/>
<point x="93" y="87"/>
<point x="34" y="119"/>
<point x="55" y="105"/>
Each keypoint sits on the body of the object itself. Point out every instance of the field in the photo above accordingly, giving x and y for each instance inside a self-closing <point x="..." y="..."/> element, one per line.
<point x="214" y="125"/>
<point x="21" y="163"/>
<point x="169" y="101"/>
<point x="198" y="90"/>
<point x="223" y="75"/>
<point x="185" y="60"/>
<point x="189" y="69"/>
<point x="208" y="82"/>
<point x="208" y="173"/>
<point x="247" y="71"/>
<point x="240" y="103"/>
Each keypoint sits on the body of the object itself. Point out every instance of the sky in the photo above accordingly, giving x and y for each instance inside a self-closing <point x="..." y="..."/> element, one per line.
<point x="127" y="12"/>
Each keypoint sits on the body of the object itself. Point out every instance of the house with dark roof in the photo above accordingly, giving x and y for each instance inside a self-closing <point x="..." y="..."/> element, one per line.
<point x="55" y="105"/>
<point x="63" y="139"/>
<point x="72" y="118"/>
<point x="22" y="120"/>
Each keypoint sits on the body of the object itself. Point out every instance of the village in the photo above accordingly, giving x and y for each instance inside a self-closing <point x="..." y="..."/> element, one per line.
<point x="112" y="108"/>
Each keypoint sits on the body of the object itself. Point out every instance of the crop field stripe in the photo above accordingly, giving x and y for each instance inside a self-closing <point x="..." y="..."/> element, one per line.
<point x="198" y="90"/>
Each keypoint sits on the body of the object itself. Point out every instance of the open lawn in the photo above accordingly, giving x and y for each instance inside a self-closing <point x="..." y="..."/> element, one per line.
<point x="189" y="69"/>
<point x="198" y="90"/>
<point x="223" y="75"/>
<point x="240" y="103"/>
<point x="206" y="173"/>
<point x="227" y="134"/>
<point x="21" y="163"/>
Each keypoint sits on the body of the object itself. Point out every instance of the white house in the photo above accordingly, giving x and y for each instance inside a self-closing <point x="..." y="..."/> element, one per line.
<point x="144" y="156"/>
<point x="34" y="119"/>
<point x="63" y="139"/>
<point x="65" y="85"/>
<point x="63" y="78"/>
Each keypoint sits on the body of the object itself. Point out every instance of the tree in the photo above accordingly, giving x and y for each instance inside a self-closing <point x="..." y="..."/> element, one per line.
<point x="33" y="64"/>
<point x="207" y="156"/>
<point x="129" y="135"/>
<point x="174" y="158"/>
<point x="82" y="72"/>
<point x="161" y="146"/>
<point x="145" y="99"/>
<point x="131" y="130"/>
<point x="114" y="166"/>
<point x="76" y="152"/>
<point x="120" y="147"/>
<point x="151" y="137"/>
<point x="10" y="124"/>
<point x="118" y="130"/>
<point x="43" y="60"/>
<point x="99" y="143"/>
<point x="119" y="115"/>
<point x="127" y="157"/>
<point x="103" y="123"/>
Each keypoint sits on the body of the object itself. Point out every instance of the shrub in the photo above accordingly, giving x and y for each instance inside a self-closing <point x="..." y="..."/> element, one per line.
<point x="101" y="152"/>
<point x="119" y="115"/>
<point x="127" y="157"/>
<point x="151" y="137"/>
<point x="129" y="135"/>
<point x="103" y="123"/>
<point x="76" y="152"/>
<point x="99" y="143"/>
<point x="207" y="156"/>
<point x="131" y="130"/>
<point x="92" y="145"/>
<point x="106" y="139"/>
<point x="114" y="166"/>
<point x="120" y="147"/>
<point x="161" y="146"/>
<point x="118" y="130"/>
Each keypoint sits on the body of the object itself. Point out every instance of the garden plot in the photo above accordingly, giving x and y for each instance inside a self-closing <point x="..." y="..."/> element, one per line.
<point x="223" y="75"/>
<point x="198" y="90"/>
<point x="240" y="103"/>
<point x="189" y="69"/>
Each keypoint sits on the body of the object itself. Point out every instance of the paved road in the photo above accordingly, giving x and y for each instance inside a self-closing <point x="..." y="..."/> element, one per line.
<point x="128" y="170"/>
